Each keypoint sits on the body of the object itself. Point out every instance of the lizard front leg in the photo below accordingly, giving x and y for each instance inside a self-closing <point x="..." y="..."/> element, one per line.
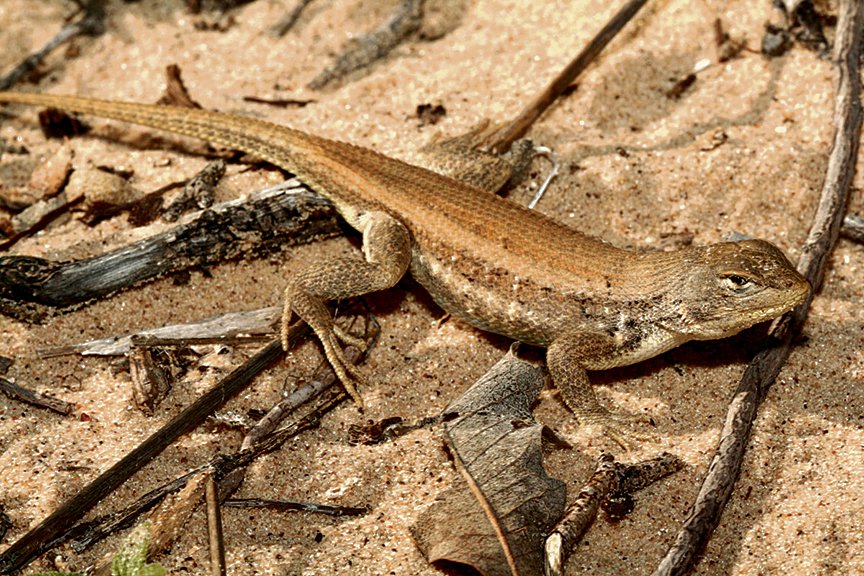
<point x="387" y="248"/>
<point x="568" y="357"/>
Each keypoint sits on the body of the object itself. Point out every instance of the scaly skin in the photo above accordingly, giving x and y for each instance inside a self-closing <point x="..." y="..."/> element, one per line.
<point x="489" y="261"/>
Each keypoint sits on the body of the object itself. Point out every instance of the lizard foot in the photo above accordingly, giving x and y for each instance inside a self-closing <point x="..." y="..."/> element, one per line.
<point x="618" y="427"/>
<point x="349" y="375"/>
<point x="349" y="339"/>
<point x="330" y="336"/>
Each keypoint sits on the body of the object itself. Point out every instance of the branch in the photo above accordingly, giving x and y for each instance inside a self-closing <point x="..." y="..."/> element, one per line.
<point x="91" y="24"/>
<point x="282" y="215"/>
<point x="760" y="374"/>
<point x="517" y="127"/>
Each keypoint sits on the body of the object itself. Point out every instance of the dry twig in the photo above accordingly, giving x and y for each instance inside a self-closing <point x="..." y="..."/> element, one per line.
<point x="214" y="527"/>
<point x="760" y="374"/>
<point x="610" y="480"/>
<point x="90" y="24"/>
<point x="35" y="398"/>
<point x="516" y="128"/>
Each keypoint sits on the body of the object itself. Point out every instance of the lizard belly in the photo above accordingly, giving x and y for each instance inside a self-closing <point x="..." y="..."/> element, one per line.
<point x="497" y="300"/>
<point x="471" y="290"/>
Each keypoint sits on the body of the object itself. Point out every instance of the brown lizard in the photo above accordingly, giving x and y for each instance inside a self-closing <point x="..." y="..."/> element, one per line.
<point x="489" y="261"/>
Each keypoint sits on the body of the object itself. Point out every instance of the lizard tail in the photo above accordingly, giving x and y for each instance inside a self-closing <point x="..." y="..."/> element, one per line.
<point x="249" y="135"/>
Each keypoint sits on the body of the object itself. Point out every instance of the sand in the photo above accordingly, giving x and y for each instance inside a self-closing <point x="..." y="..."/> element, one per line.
<point x="743" y="150"/>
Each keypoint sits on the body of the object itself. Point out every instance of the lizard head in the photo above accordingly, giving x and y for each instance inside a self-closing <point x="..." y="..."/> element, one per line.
<point x="734" y="285"/>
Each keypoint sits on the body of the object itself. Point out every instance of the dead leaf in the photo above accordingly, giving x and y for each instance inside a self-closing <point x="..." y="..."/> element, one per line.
<point x="498" y="522"/>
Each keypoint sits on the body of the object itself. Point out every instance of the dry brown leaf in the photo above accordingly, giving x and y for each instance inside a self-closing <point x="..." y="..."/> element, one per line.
<point x="498" y="524"/>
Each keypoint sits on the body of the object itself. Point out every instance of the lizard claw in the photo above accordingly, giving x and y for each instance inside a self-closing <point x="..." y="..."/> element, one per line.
<point x="349" y="375"/>
<point x="349" y="339"/>
<point x="619" y="427"/>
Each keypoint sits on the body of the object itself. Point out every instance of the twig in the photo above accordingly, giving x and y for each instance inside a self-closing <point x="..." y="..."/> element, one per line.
<point x="176" y="93"/>
<point x="252" y="324"/>
<point x="579" y="516"/>
<point x="90" y="24"/>
<point x="198" y="191"/>
<point x="5" y="523"/>
<point x="280" y="504"/>
<point x="319" y="383"/>
<point x="37" y="217"/>
<point x="610" y="479"/>
<point x="282" y="215"/>
<point x="166" y="523"/>
<point x="853" y="228"/>
<point x="322" y="382"/>
<point x="214" y="528"/>
<point x="287" y="22"/>
<point x="86" y="534"/>
<point x="221" y="468"/>
<point x="503" y="139"/>
<point x="405" y="19"/>
<point x="229" y="470"/>
<point x="43" y="536"/>
<point x="726" y="464"/>
<point x="35" y="398"/>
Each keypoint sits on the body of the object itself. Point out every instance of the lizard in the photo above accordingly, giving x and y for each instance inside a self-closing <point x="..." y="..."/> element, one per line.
<point x="489" y="261"/>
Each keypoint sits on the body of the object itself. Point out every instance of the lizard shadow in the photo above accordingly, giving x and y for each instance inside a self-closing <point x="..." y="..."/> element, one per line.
<point x="670" y="378"/>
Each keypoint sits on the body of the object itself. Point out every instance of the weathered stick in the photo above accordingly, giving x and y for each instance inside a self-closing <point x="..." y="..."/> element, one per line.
<point x="282" y="215"/>
<point x="35" y="398"/>
<point x="252" y="323"/>
<point x="517" y="127"/>
<point x="291" y="505"/>
<point x="760" y="374"/>
<point x="610" y="479"/>
<point x="214" y="527"/>
<point x="86" y="534"/>
<point x="91" y="24"/>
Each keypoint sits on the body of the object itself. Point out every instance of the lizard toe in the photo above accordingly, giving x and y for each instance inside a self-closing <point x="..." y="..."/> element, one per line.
<point x="619" y="427"/>
<point x="349" y="339"/>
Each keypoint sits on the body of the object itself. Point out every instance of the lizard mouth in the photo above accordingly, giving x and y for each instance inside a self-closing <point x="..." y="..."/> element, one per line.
<point x="728" y="324"/>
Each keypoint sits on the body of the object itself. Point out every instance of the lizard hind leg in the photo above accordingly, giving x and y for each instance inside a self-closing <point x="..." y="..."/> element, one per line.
<point x="387" y="248"/>
<point x="464" y="158"/>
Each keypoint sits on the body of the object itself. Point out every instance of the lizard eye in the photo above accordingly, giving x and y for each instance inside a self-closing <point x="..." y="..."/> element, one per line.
<point x="736" y="283"/>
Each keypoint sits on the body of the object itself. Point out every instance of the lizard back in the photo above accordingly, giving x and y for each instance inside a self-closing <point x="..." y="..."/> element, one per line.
<point x="459" y="219"/>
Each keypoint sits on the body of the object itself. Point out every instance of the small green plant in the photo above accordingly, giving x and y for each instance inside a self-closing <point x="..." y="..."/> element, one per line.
<point x="131" y="557"/>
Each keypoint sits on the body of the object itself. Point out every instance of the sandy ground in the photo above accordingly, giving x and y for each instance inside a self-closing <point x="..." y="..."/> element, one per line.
<point x="641" y="169"/>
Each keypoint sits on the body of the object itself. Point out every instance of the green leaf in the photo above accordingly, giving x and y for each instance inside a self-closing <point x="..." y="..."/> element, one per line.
<point x="131" y="558"/>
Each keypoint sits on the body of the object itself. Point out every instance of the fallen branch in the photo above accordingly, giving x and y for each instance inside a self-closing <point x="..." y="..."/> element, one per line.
<point x="91" y="24"/>
<point x="288" y="214"/>
<point x="293" y="506"/>
<point x="86" y="534"/>
<point x="516" y="128"/>
<point x="610" y="480"/>
<point x="229" y="471"/>
<point x="34" y="398"/>
<point x="214" y="527"/>
<point x="760" y="374"/>
<point x="251" y="324"/>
